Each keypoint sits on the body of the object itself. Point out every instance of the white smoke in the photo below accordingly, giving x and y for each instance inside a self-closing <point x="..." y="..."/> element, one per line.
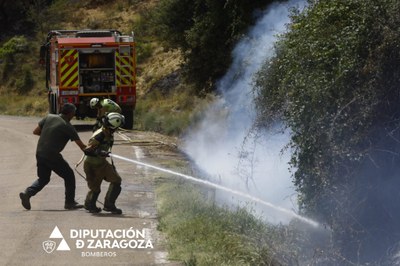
<point x="221" y="144"/>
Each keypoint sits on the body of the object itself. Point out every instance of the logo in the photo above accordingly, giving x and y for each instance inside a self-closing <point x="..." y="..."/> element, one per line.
<point x="69" y="59"/>
<point x="49" y="245"/>
<point x="99" y="242"/>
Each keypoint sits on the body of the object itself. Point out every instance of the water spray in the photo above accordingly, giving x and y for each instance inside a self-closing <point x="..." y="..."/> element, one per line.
<point x="210" y="184"/>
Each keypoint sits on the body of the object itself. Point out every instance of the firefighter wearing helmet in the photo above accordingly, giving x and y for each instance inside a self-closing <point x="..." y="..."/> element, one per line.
<point x="103" y="107"/>
<point x="97" y="168"/>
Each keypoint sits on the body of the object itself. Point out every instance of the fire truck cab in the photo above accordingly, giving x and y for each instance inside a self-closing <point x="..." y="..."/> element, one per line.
<point x="83" y="64"/>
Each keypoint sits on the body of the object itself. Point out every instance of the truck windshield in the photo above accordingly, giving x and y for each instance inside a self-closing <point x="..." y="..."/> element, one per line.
<point x="98" y="60"/>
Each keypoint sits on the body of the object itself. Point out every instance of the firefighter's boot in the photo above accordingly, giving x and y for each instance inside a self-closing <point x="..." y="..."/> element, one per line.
<point x="25" y="199"/>
<point x="112" y="194"/>
<point x="90" y="202"/>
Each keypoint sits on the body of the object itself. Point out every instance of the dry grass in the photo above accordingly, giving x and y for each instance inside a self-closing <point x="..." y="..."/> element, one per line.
<point x="22" y="105"/>
<point x="160" y="64"/>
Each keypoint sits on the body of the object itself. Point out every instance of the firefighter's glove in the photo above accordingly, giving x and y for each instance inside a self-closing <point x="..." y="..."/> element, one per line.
<point x="103" y="153"/>
<point x="89" y="152"/>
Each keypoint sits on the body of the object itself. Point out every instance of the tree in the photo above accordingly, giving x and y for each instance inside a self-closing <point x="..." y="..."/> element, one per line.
<point x="13" y="18"/>
<point x="206" y="31"/>
<point x="334" y="82"/>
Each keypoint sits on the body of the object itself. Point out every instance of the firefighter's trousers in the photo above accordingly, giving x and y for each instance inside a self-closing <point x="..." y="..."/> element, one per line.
<point x="95" y="174"/>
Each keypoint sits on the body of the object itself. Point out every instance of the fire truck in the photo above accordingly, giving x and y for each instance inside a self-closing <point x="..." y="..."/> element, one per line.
<point x="83" y="64"/>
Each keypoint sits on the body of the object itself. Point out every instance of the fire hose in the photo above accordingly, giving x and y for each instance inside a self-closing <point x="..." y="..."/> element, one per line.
<point x="209" y="184"/>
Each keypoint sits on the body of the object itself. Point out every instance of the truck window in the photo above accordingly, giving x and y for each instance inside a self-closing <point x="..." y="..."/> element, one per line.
<point x="99" y="60"/>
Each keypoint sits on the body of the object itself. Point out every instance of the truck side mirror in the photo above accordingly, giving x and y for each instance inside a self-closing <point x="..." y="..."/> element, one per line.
<point x="42" y="56"/>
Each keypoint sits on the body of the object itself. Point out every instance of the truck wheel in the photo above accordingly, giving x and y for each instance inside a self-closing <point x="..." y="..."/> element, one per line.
<point x="52" y="103"/>
<point x="128" y="113"/>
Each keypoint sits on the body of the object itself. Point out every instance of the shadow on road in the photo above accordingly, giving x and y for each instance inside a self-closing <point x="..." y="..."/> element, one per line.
<point x="112" y="215"/>
<point x="52" y="210"/>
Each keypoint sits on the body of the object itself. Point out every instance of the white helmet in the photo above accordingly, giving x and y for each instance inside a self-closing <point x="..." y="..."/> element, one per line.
<point x="94" y="102"/>
<point x="114" y="120"/>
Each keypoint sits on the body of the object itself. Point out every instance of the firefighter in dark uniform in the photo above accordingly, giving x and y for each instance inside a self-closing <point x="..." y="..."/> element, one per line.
<point x="55" y="131"/>
<point x="97" y="168"/>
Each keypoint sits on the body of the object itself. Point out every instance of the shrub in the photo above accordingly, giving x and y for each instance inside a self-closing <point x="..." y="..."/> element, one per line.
<point x="8" y="53"/>
<point x="334" y="82"/>
<point x="26" y="82"/>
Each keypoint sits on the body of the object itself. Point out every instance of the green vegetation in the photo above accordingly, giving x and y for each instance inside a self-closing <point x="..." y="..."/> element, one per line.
<point x="13" y="52"/>
<point x="205" y="31"/>
<point x="165" y="117"/>
<point x="201" y="233"/>
<point x="335" y="83"/>
<point x="169" y="112"/>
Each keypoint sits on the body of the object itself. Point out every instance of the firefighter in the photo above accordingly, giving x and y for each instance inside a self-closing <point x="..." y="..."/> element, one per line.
<point x="103" y="107"/>
<point x="97" y="168"/>
<point x="54" y="132"/>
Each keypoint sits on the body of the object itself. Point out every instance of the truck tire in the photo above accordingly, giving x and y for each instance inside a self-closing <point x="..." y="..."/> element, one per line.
<point x="128" y="113"/>
<point x="52" y="103"/>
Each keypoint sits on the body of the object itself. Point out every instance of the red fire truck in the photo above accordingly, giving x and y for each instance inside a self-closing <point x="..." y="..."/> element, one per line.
<point x="82" y="64"/>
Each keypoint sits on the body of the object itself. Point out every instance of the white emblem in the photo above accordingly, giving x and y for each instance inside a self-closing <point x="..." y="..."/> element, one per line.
<point x="49" y="246"/>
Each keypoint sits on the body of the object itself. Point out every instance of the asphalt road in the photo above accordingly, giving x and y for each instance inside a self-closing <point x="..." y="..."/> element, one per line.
<point x="50" y="235"/>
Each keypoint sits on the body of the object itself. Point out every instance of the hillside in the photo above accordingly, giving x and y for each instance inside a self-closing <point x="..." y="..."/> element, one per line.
<point x="154" y="62"/>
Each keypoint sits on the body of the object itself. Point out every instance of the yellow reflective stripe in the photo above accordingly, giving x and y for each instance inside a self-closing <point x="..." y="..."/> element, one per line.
<point x="69" y="70"/>
<point x="124" y="67"/>
<point x="64" y="64"/>
<point x="67" y="74"/>
<point x="73" y="81"/>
